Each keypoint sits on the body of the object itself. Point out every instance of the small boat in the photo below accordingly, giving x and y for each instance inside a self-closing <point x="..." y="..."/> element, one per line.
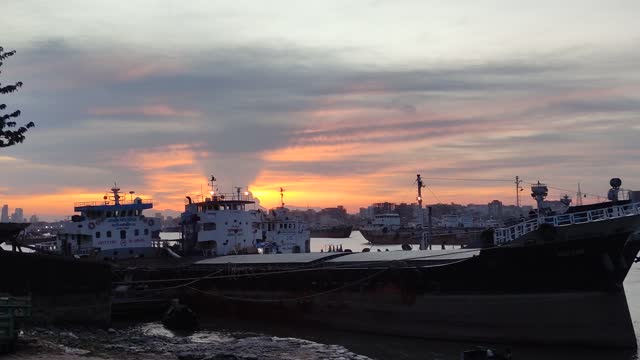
<point x="180" y="317"/>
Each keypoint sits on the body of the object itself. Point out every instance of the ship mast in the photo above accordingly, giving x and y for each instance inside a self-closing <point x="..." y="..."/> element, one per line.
<point x="518" y="189"/>
<point x="214" y="188"/>
<point x="116" y="197"/>
<point x="282" y="197"/>
<point x="420" y="222"/>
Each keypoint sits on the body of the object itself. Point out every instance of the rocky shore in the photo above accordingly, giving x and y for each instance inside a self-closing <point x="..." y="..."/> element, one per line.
<point x="153" y="341"/>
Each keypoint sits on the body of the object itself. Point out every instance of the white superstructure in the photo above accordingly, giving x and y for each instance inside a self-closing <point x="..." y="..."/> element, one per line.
<point x="113" y="228"/>
<point x="384" y="223"/>
<point x="223" y="224"/>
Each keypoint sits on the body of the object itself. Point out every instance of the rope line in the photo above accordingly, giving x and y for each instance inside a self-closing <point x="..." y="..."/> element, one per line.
<point x="364" y="279"/>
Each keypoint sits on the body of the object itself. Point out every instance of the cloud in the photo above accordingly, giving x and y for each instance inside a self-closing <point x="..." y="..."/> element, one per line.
<point x="306" y="118"/>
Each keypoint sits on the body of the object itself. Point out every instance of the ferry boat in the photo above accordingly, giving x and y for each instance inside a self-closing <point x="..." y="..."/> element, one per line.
<point x="222" y="224"/>
<point x="110" y="229"/>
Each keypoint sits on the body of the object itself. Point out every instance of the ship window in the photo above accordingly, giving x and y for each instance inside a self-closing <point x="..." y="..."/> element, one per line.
<point x="97" y="234"/>
<point x="209" y="226"/>
<point x="146" y="231"/>
<point x="136" y="232"/>
<point x="109" y="233"/>
<point x="123" y="234"/>
<point x="130" y="213"/>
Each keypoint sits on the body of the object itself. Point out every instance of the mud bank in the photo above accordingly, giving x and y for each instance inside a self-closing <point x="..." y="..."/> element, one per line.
<point x="153" y="341"/>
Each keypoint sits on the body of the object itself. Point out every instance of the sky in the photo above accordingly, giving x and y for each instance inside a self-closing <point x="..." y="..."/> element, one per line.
<point x="339" y="102"/>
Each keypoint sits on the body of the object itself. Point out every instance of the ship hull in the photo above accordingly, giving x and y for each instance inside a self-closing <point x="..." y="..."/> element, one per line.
<point x="551" y="288"/>
<point x="591" y="319"/>
<point x="397" y="237"/>
<point x="335" y="232"/>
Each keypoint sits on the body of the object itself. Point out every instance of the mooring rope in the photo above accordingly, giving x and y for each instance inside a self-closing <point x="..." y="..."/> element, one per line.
<point x="233" y="298"/>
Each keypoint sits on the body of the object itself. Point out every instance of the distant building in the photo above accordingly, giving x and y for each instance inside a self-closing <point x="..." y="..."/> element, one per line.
<point x="339" y="214"/>
<point x="383" y="208"/>
<point x="406" y="212"/>
<point x="18" y="216"/>
<point x="5" y="214"/>
<point x="478" y="209"/>
<point x="450" y="221"/>
<point x="33" y="219"/>
<point x="495" y="209"/>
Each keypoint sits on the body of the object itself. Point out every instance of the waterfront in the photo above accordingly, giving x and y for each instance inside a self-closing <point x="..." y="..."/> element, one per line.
<point x="286" y="341"/>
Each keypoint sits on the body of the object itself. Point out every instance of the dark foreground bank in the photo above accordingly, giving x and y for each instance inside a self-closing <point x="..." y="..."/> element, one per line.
<point x="153" y="341"/>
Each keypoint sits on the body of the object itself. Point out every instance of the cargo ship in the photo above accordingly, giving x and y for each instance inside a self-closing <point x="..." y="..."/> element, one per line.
<point x="112" y="229"/>
<point x="224" y="224"/>
<point x="331" y="231"/>
<point x="556" y="279"/>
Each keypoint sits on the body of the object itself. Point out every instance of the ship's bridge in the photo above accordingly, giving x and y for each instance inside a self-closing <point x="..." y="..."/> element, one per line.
<point x="222" y="202"/>
<point x="130" y="208"/>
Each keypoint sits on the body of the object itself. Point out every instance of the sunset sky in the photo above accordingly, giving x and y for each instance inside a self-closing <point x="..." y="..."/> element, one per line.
<point x="339" y="102"/>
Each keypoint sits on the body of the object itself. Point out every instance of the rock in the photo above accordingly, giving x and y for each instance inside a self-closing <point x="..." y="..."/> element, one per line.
<point x="223" y="357"/>
<point x="191" y="356"/>
<point x="180" y="317"/>
<point x="112" y="331"/>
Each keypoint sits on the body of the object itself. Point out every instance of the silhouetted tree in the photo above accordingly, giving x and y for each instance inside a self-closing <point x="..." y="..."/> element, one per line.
<point x="9" y="134"/>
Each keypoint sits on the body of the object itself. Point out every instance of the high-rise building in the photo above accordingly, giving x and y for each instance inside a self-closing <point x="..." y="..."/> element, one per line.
<point x="18" y="215"/>
<point x="5" y="214"/>
<point x="34" y="219"/>
<point x="495" y="209"/>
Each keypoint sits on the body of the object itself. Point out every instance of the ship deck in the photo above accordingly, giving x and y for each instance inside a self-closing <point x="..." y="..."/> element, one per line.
<point x="371" y="259"/>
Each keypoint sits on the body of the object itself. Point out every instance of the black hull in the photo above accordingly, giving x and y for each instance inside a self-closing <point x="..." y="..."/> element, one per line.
<point x="336" y="232"/>
<point x="551" y="288"/>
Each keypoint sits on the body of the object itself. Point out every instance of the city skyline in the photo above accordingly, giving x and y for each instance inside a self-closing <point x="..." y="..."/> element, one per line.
<point x="337" y="103"/>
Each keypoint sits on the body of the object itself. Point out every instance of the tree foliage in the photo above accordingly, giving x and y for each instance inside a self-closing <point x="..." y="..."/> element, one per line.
<point x="10" y="132"/>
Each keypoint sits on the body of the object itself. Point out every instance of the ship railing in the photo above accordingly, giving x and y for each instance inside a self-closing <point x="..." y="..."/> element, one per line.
<point x="47" y="246"/>
<point x="505" y="235"/>
<point x="223" y="197"/>
<point x="111" y="202"/>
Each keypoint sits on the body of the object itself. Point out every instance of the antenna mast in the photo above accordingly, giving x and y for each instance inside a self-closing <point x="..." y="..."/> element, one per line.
<point x="214" y="188"/>
<point x="420" y="225"/>
<point x="579" y="196"/>
<point x="282" y="197"/>
<point x="518" y="189"/>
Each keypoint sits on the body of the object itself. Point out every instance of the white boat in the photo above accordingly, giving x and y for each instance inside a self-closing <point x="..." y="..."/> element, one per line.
<point x="112" y="229"/>
<point x="222" y="224"/>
